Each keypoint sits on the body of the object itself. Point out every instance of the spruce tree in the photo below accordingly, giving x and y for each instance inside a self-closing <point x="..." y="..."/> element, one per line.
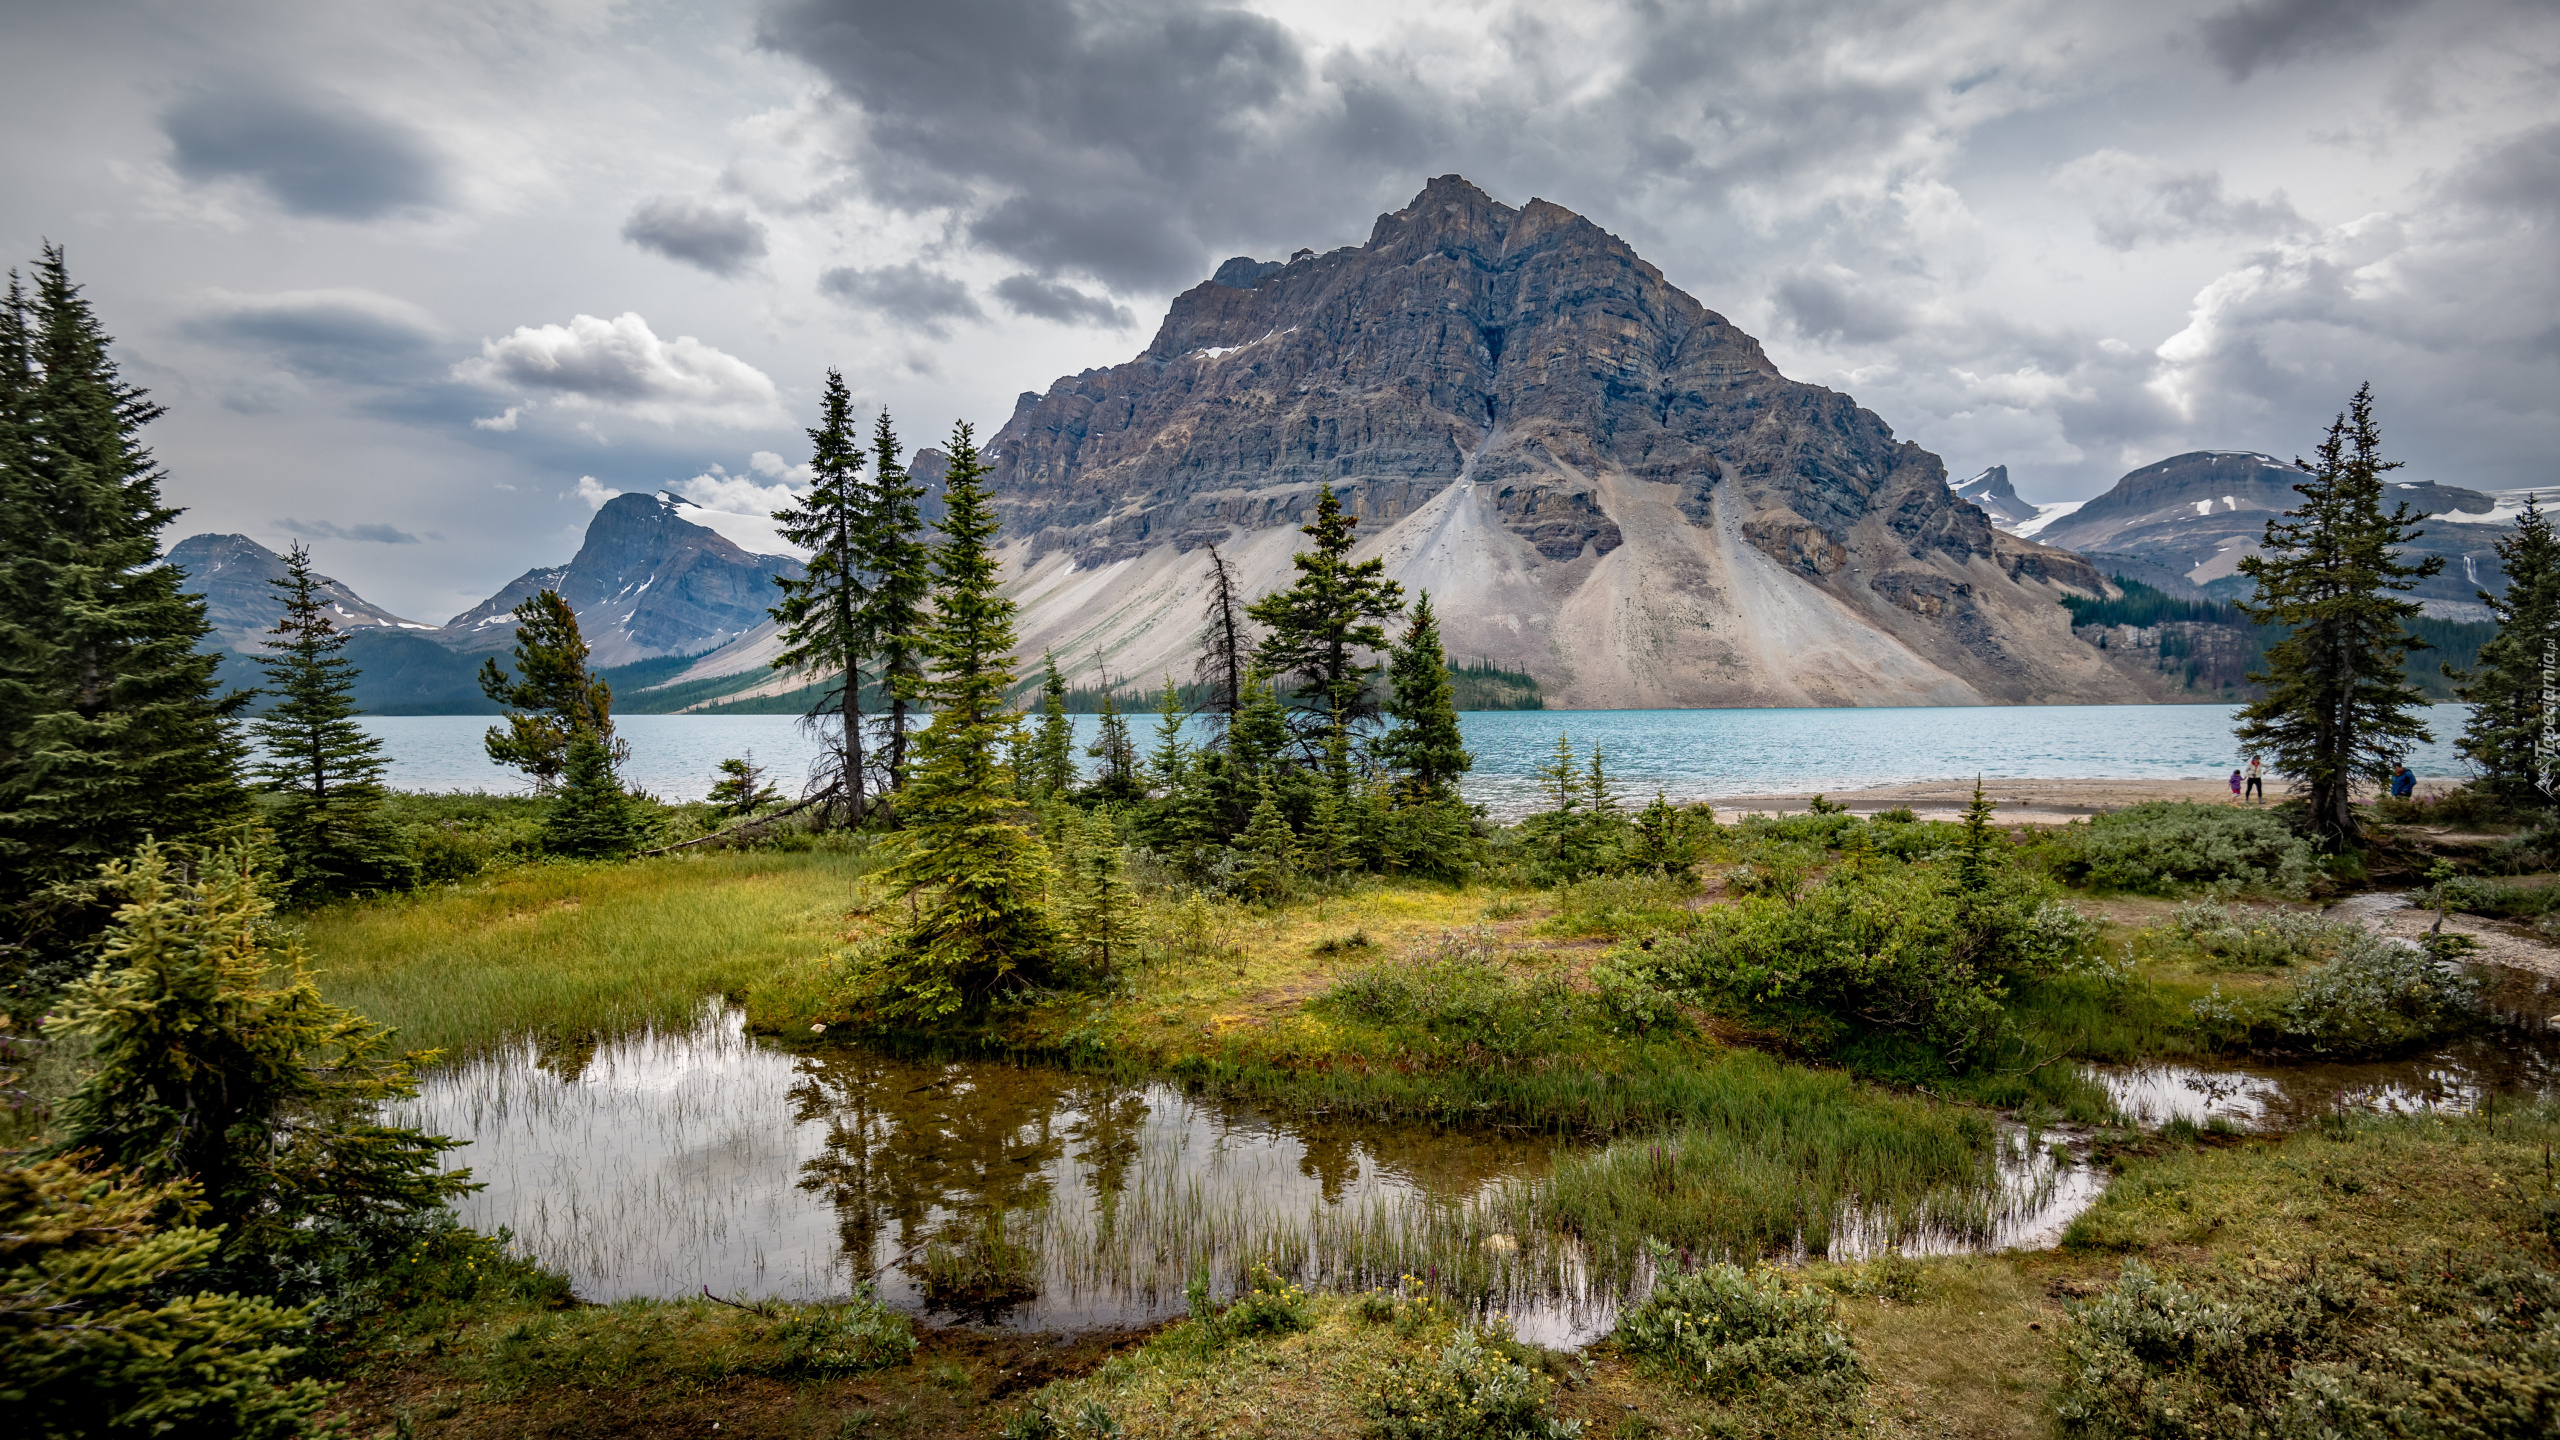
<point x="2513" y="734"/>
<point x="2338" y="701"/>
<point x="740" y="791"/>
<point x="215" y="1060"/>
<point x="330" y="826"/>
<point x="1316" y="630"/>
<point x="1171" y="762"/>
<point x="824" y="614"/>
<point x="1267" y="848"/>
<point x="592" y="817"/>
<point x="1425" y="742"/>
<point x="113" y="727"/>
<point x="975" y="876"/>
<point x="1118" y="777"/>
<point x="1055" y="751"/>
<point x="900" y="558"/>
<point x="1103" y="915"/>
<point x="550" y="698"/>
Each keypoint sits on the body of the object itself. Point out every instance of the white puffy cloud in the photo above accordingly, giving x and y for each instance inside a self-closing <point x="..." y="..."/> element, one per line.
<point x="741" y="509"/>
<point x="620" y="366"/>
<point x="595" y="492"/>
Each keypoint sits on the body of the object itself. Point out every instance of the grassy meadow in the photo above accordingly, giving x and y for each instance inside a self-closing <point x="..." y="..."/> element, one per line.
<point x="1505" y="1007"/>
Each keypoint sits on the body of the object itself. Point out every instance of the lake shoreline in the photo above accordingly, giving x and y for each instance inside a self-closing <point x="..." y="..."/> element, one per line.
<point x="2055" y="801"/>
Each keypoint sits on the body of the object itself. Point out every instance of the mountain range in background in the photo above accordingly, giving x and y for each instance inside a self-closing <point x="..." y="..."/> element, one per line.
<point x="1607" y="488"/>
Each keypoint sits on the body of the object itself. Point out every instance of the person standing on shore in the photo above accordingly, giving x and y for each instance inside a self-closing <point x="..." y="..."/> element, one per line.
<point x="2257" y="781"/>
<point x="2235" y="784"/>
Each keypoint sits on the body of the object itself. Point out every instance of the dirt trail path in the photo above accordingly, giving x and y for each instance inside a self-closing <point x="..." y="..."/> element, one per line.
<point x="2392" y="914"/>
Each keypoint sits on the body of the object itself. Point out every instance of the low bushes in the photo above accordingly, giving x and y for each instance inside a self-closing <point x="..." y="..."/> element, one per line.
<point x="1470" y="1391"/>
<point x="2368" y="1345"/>
<point x="1897" y="949"/>
<point x="2258" y="939"/>
<point x="2376" y="997"/>
<point x="1460" y="993"/>
<point x="1727" y="1331"/>
<point x="2156" y="847"/>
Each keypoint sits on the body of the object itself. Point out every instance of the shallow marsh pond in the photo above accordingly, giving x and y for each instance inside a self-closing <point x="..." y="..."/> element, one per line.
<point x="664" y="1164"/>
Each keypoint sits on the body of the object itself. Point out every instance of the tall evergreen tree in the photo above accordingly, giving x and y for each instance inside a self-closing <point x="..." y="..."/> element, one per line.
<point x="976" y="875"/>
<point x="313" y="753"/>
<point x="2514" y="733"/>
<point x="1056" y="747"/>
<point x="824" y="614"/>
<point x="1425" y="742"/>
<point x="1316" y="630"/>
<point x="2338" y="700"/>
<point x="1226" y="651"/>
<point x="215" y="1060"/>
<point x="113" y="727"/>
<point x="1113" y="746"/>
<point x="1170" y="763"/>
<point x="592" y="817"/>
<point x="551" y="697"/>
<point x="900" y="558"/>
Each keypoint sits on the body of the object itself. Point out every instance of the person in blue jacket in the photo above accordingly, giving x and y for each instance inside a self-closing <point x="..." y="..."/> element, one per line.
<point x="2403" y="783"/>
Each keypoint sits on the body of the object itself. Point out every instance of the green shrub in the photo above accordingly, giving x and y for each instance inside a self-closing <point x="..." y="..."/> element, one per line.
<point x="2157" y="846"/>
<point x="101" y="1333"/>
<point x="448" y="852"/>
<point x="848" y="1339"/>
<point x="1270" y="1305"/>
<point x="1460" y="992"/>
<point x="2376" y="997"/>
<point x="1895" y="949"/>
<point x="1727" y="1331"/>
<point x="1470" y="1391"/>
<point x="1624" y="904"/>
<point x="2361" y="1346"/>
<point x="2258" y="939"/>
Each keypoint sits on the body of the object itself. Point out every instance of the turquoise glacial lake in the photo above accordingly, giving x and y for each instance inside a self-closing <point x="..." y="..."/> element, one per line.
<point x="1688" y="754"/>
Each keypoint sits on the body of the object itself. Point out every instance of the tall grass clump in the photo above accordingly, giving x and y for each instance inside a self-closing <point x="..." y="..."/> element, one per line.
<point x="2160" y="845"/>
<point x="2258" y="939"/>
<point x="577" y="949"/>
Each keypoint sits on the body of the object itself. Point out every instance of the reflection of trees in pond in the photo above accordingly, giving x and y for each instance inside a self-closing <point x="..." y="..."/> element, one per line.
<point x="1331" y="1160"/>
<point x="904" y="1140"/>
<point x="1113" y="1119"/>
<point x="566" y="1056"/>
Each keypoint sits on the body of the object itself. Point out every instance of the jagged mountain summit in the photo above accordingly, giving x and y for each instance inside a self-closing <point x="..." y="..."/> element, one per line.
<point x="233" y="572"/>
<point x="1996" y="497"/>
<point x="2194" y="517"/>
<point x="1600" y="480"/>
<point x="646" y="582"/>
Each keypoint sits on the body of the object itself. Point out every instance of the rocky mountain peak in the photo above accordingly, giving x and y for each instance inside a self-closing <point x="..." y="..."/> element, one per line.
<point x="232" y="573"/>
<point x="1602" y="480"/>
<point x="645" y="582"/>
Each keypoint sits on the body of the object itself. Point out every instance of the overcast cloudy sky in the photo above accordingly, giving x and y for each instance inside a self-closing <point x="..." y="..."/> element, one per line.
<point x="421" y="283"/>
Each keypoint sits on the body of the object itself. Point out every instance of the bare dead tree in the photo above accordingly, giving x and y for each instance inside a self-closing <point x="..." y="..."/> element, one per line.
<point x="1227" y="645"/>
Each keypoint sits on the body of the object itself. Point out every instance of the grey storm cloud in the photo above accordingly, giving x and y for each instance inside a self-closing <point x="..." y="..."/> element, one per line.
<point x="913" y="293"/>
<point x="312" y="155"/>
<point x="2137" y="202"/>
<point x="1049" y="300"/>
<point x="707" y="237"/>
<point x="367" y="534"/>
<point x="2260" y="34"/>
<point x="1825" y="307"/>
<point x="330" y="334"/>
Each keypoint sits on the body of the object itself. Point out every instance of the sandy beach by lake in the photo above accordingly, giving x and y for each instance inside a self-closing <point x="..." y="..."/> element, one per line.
<point x="2020" y="802"/>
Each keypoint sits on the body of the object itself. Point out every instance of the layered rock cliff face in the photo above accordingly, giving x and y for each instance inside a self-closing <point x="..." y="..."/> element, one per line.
<point x="1600" y="480"/>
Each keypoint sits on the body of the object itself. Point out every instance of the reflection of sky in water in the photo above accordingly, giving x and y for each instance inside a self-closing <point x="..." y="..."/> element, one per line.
<point x="661" y="1164"/>
<point x="2454" y="1078"/>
